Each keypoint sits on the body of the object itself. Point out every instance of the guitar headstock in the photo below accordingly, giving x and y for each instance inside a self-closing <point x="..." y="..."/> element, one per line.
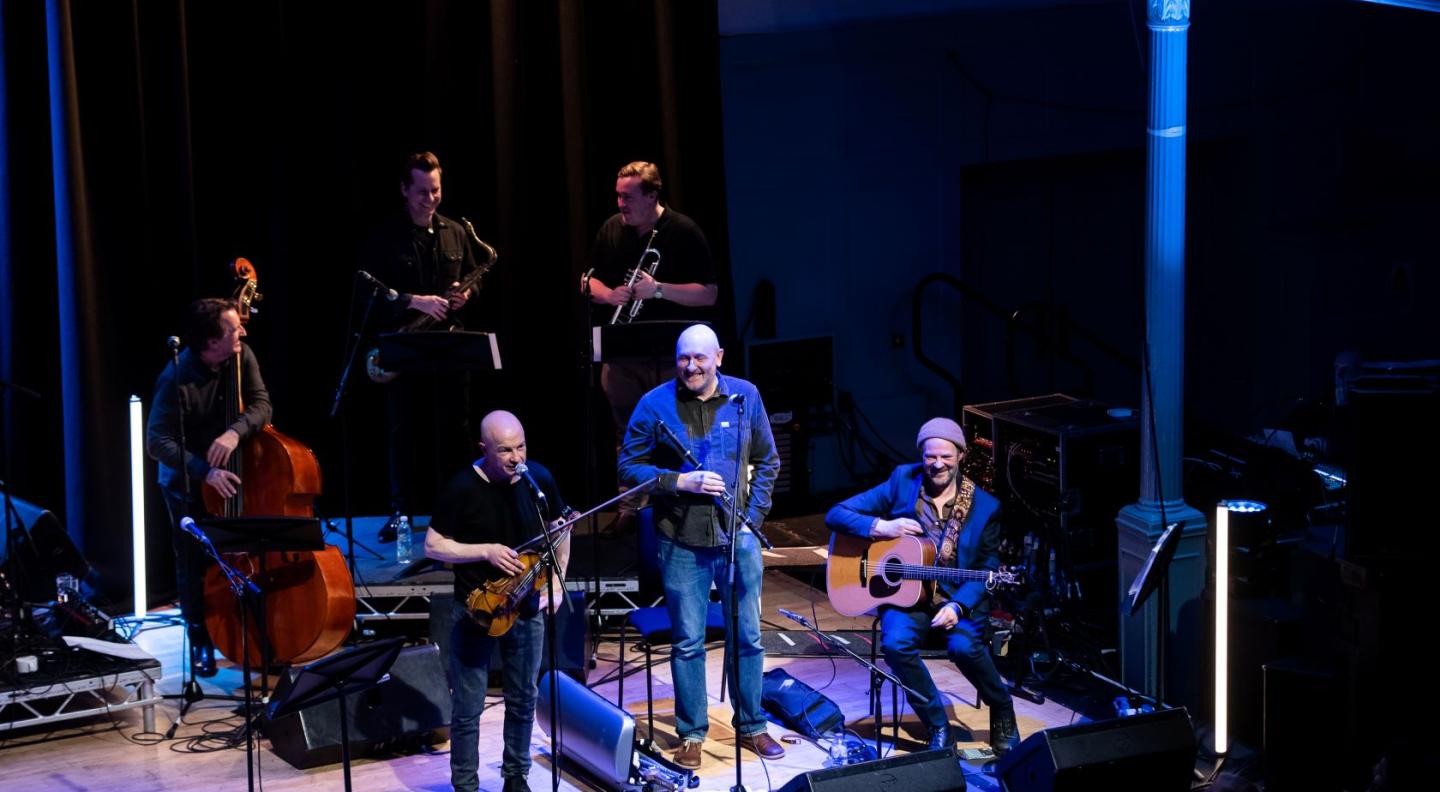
<point x="1009" y="576"/>
<point x="247" y="287"/>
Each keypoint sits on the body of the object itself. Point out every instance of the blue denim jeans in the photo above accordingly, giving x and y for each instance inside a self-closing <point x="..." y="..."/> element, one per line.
<point x="903" y="630"/>
<point x="688" y="573"/>
<point x="470" y="651"/>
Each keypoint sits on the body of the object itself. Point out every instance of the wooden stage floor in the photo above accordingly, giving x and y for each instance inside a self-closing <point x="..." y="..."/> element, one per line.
<point x="107" y="753"/>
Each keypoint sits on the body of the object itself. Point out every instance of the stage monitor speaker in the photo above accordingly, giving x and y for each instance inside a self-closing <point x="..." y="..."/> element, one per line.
<point x="926" y="771"/>
<point x="42" y="550"/>
<point x="414" y="701"/>
<point x="1154" y="752"/>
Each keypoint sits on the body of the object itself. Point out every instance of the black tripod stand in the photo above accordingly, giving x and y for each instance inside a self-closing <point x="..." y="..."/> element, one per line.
<point x="246" y="593"/>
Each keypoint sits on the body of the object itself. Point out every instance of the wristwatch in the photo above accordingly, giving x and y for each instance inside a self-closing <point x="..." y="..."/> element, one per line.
<point x="659" y="290"/>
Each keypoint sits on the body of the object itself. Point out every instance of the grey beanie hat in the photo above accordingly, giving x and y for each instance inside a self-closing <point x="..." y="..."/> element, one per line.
<point x="943" y="428"/>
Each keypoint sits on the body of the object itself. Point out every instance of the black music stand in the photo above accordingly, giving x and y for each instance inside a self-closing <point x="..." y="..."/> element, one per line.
<point x="1154" y="575"/>
<point x="261" y="535"/>
<point x="435" y="351"/>
<point x="654" y="340"/>
<point x="352" y="671"/>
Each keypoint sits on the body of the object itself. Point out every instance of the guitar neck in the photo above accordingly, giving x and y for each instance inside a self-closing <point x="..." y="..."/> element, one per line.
<point x="921" y="572"/>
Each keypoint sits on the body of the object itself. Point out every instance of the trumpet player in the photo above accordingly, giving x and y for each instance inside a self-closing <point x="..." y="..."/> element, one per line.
<point x="651" y="262"/>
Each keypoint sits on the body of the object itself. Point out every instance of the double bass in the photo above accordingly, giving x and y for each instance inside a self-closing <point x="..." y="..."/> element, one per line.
<point x="309" y="596"/>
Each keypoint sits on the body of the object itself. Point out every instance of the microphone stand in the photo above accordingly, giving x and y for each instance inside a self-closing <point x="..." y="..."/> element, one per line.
<point x="730" y="504"/>
<point x="244" y="590"/>
<point x="733" y="634"/>
<point x="190" y="691"/>
<point x="550" y="558"/>
<point x="876" y="675"/>
<point x="336" y="408"/>
<point x="587" y="373"/>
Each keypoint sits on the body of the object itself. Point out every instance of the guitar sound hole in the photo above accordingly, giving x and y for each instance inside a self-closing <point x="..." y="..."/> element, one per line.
<point x="888" y="581"/>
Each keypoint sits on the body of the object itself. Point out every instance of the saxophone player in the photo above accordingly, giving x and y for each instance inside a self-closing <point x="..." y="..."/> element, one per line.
<point x="423" y="255"/>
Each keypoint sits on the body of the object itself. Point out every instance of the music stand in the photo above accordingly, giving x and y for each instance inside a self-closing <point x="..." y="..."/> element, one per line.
<point x="351" y="671"/>
<point x="1154" y="575"/>
<point x="654" y="340"/>
<point x="261" y="535"/>
<point x="456" y="350"/>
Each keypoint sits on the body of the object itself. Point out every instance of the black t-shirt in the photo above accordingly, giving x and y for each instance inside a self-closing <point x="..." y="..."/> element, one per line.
<point x="472" y="510"/>
<point x="684" y="258"/>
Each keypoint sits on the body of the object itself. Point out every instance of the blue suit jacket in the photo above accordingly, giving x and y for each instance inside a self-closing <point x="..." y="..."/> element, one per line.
<point x="977" y="547"/>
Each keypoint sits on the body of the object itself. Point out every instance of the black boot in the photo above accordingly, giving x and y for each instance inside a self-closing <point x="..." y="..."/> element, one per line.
<point x="940" y="737"/>
<point x="1004" y="734"/>
<point x="202" y="659"/>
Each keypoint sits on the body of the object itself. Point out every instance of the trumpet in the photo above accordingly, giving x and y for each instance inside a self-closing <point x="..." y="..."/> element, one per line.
<point x="625" y="314"/>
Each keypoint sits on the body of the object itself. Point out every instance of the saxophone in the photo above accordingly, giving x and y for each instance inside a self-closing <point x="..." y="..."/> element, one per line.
<point x="425" y="321"/>
<point x="625" y="314"/>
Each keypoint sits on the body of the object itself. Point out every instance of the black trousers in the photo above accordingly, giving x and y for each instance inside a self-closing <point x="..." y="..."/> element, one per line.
<point x="191" y="563"/>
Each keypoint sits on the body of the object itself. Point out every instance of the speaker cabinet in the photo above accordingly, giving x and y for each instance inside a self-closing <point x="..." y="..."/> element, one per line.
<point x="414" y="701"/>
<point x="926" y="771"/>
<point x="1154" y="752"/>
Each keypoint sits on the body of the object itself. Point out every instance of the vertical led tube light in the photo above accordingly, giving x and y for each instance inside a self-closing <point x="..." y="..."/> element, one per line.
<point x="1222" y="627"/>
<point x="137" y="504"/>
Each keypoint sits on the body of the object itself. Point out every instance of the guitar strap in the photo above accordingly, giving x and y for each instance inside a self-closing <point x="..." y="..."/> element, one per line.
<point x="959" y="510"/>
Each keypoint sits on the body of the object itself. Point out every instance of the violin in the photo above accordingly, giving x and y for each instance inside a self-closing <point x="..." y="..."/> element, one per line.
<point x="496" y="604"/>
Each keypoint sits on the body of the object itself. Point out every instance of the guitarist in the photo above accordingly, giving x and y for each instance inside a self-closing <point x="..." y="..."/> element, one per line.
<point x="932" y="499"/>
<point x="421" y="254"/>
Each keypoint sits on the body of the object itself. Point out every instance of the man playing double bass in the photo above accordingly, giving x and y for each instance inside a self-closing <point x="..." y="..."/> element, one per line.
<point x="201" y="387"/>
<point x="483" y="514"/>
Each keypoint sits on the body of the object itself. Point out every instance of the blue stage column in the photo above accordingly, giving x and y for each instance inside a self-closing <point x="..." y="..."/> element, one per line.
<point x="85" y="505"/>
<point x="1140" y="524"/>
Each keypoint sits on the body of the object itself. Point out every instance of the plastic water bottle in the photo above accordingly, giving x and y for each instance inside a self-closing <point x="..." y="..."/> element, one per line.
<point x="402" y="541"/>
<point x="839" y="751"/>
<point x="66" y="588"/>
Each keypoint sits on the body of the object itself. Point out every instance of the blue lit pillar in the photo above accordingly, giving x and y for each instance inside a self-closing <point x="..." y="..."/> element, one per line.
<point x="1162" y="391"/>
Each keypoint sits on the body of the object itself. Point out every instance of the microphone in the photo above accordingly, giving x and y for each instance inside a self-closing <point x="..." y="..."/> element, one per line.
<point x="793" y="616"/>
<point x="174" y="343"/>
<point x="390" y="294"/>
<point x="523" y="471"/>
<point x="738" y="399"/>
<point x="188" y="526"/>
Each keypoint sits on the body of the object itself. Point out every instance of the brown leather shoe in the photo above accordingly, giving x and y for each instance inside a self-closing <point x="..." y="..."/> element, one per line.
<point x="689" y="754"/>
<point x="762" y="744"/>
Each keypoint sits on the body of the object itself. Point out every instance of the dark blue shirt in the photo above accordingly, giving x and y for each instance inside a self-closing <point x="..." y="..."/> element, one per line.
<point x="714" y="431"/>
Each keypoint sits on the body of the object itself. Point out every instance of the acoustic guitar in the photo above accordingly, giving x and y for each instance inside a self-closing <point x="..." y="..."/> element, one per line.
<point x="862" y="574"/>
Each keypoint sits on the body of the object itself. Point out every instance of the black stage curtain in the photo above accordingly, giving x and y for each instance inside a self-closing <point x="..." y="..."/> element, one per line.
<point x="146" y="144"/>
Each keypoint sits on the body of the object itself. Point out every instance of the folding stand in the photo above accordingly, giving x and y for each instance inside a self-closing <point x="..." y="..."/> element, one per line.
<point x="355" y="670"/>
